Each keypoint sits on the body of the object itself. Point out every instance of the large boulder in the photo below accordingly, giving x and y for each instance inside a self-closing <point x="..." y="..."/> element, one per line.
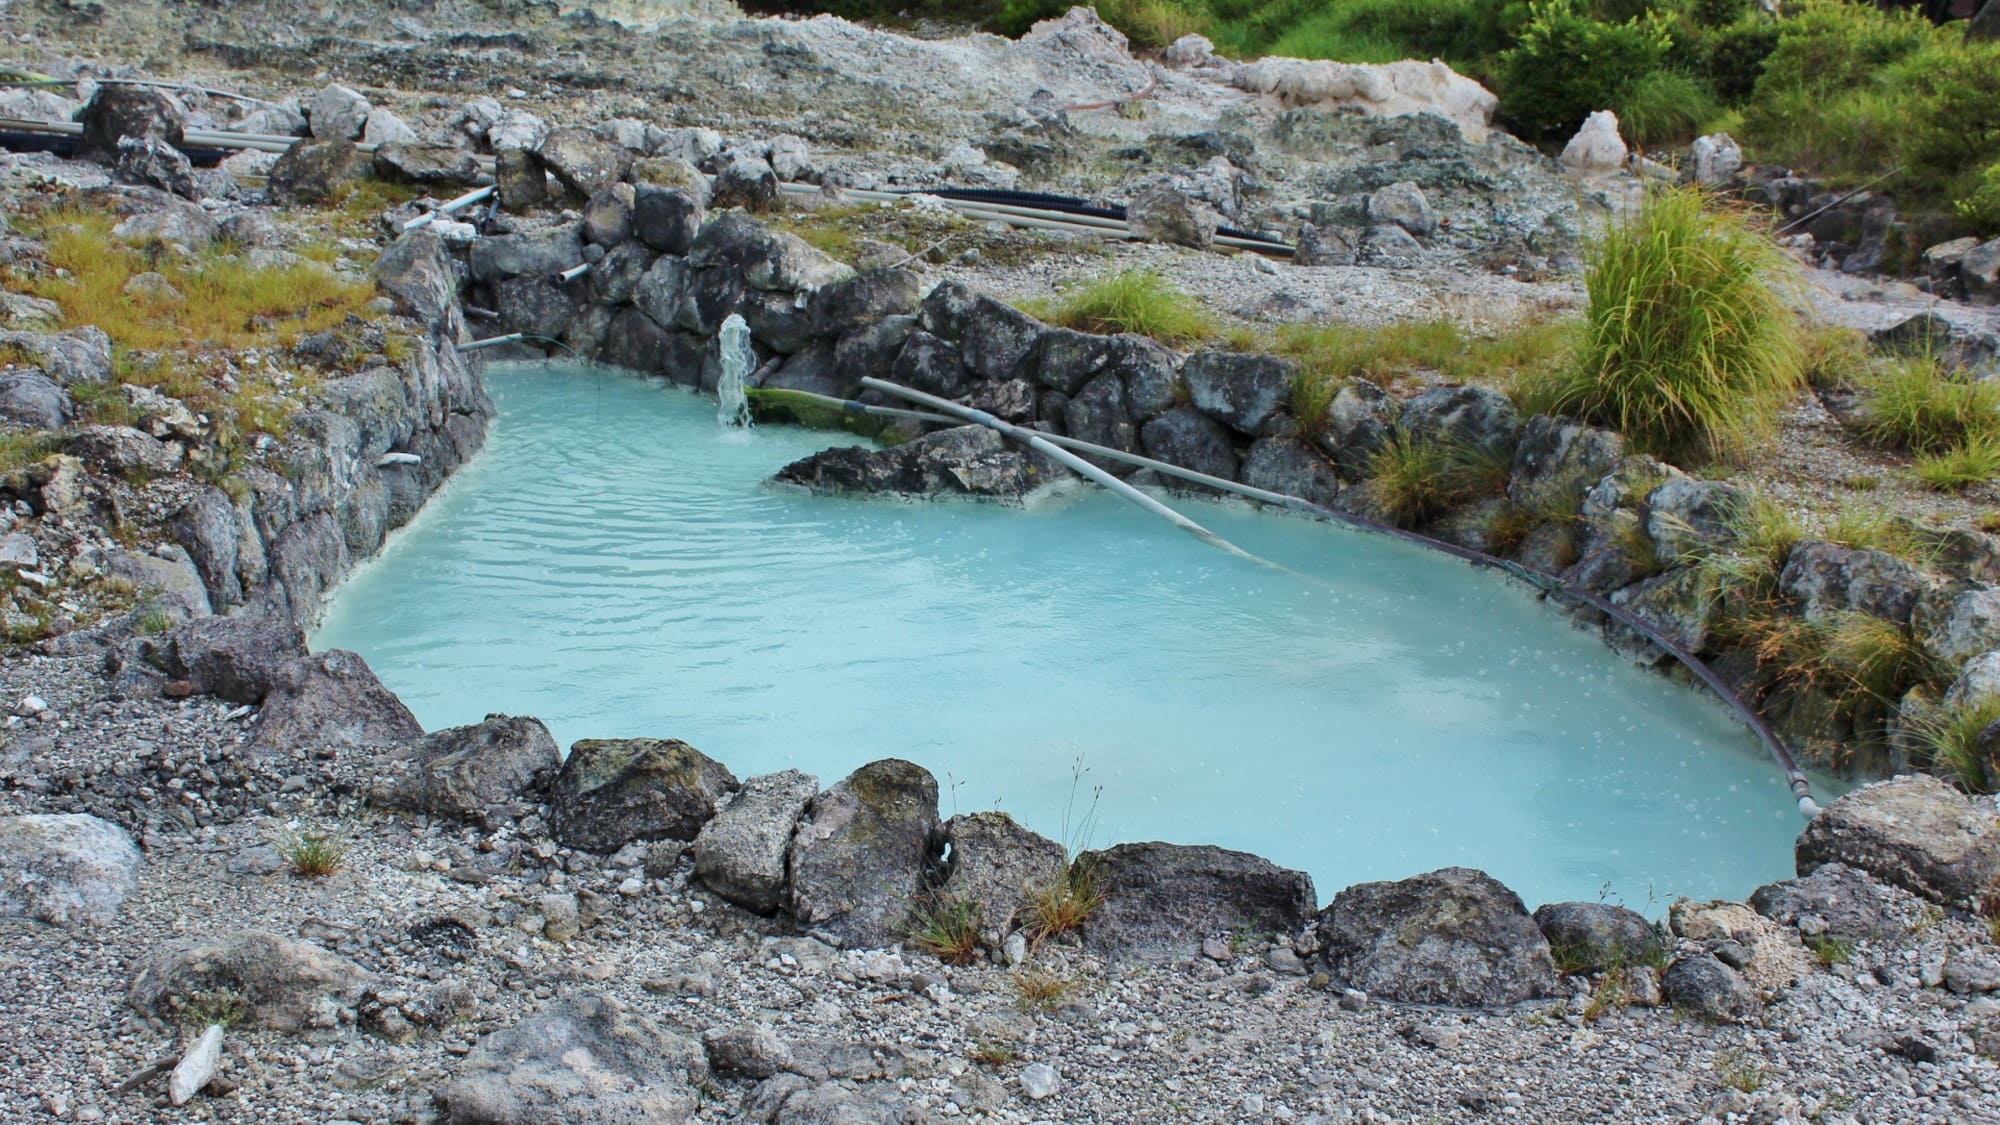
<point x="1290" y="466"/>
<point x="1101" y="412"/>
<point x="331" y="700"/>
<point x="964" y="461"/>
<point x="1706" y="987"/>
<point x="666" y="219"/>
<point x="747" y="181"/>
<point x="1067" y="359"/>
<point x="766" y="258"/>
<point x="416" y="270"/>
<point x="76" y="355"/>
<point x="1557" y="461"/>
<point x="1686" y="516"/>
<point x="118" y="111"/>
<point x="997" y="339"/>
<point x="1453" y="936"/>
<point x="1914" y="832"/>
<point x="479" y="772"/>
<point x="582" y="1061"/>
<point x="338" y="113"/>
<point x="581" y="161"/>
<point x="1162" y="900"/>
<point x="932" y="365"/>
<point x="613" y="791"/>
<point x="861" y="852"/>
<point x="1186" y="437"/>
<point x="1835" y="901"/>
<point x="1594" y="936"/>
<point x="1357" y="424"/>
<point x="315" y="172"/>
<point x="238" y="658"/>
<point x="206" y="528"/>
<point x="31" y="400"/>
<point x="1244" y="391"/>
<point x="122" y="449"/>
<point x="998" y="867"/>
<point x="1470" y="416"/>
<point x="1960" y="622"/>
<point x="426" y="165"/>
<point x="271" y="982"/>
<point x="1827" y="579"/>
<point x="157" y="164"/>
<point x="855" y="303"/>
<point x="740" y="853"/>
<point x="66" y="869"/>
<point x="540" y="253"/>
<point x="1164" y="213"/>
<point x="1403" y="204"/>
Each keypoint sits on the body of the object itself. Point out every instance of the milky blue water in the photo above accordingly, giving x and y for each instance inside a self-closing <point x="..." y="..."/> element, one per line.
<point x="614" y="565"/>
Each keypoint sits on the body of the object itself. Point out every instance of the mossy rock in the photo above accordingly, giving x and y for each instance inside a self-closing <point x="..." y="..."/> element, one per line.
<point x="612" y="792"/>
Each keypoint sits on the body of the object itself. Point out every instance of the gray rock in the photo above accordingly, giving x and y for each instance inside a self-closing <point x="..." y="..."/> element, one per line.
<point x="478" y="773"/>
<point x="280" y="984"/>
<point x="997" y="339"/>
<point x="1827" y="579"/>
<point x="1679" y="603"/>
<point x="1101" y="413"/>
<point x="529" y="254"/>
<point x="337" y="113"/>
<point x="740" y="853"/>
<point x="1836" y="901"/>
<point x="778" y="321"/>
<point x="331" y="700"/>
<point x="945" y="308"/>
<point x="118" y="111"/>
<point x="1164" y="213"/>
<point x="238" y="658"/>
<point x="1453" y="936"/>
<point x="1979" y="680"/>
<point x="1969" y="969"/>
<point x="1594" y="936"/>
<point x="78" y="355"/>
<point x="174" y="221"/>
<point x="206" y="528"/>
<point x="1979" y="269"/>
<point x="521" y="181"/>
<point x="1710" y="989"/>
<point x="1389" y="247"/>
<point x="855" y="303"/>
<point x="999" y="866"/>
<point x="1915" y="832"/>
<point x="168" y="576"/>
<point x="581" y="162"/>
<point x="588" y="1060"/>
<point x="65" y="869"/>
<point x="612" y="792"/>
<point x="1403" y="205"/>
<point x="747" y="181"/>
<point x="608" y="217"/>
<point x="315" y="172"/>
<point x="1685" y="516"/>
<point x="1959" y="622"/>
<point x="1011" y="400"/>
<point x="750" y="1051"/>
<point x="1244" y="391"/>
<point x="1714" y="158"/>
<point x="1470" y="416"/>
<point x="122" y="449"/>
<point x="155" y="163"/>
<point x="1162" y="900"/>
<point x="1358" y="423"/>
<point x="18" y="551"/>
<point x="1066" y="359"/>
<point x="766" y="258"/>
<point x="417" y="271"/>
<point x="614" y="281"/>
<point x="537" y="306"/>
<point x="1290" y="466"/>
<point x="970" y="461"/>
<point x="861" y="851"/>
<point x="790" y="157"/>
<point x="666" y="219"/>
<point x="1040" y="1081"/>
<point x="426" y="165"/>
<point x="32" y="400"/>
<point x="385" y="128"/>
<point x="516" y="129"/>
<point x="1150" y="372"/>
<point x="1324" y="246"/>
<point x="930" y="364"/>
<point x="1557" y="461"/>
<point x="1186" y="437"/>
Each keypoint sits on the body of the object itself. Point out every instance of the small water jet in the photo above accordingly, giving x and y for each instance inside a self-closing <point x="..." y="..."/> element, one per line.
<point x="737" y="360"/>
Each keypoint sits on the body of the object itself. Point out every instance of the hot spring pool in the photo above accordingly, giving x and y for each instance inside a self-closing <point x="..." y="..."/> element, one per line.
<point x="612" y="565"/>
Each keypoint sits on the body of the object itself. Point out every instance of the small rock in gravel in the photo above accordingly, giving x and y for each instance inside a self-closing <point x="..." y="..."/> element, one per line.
<point x="1040" y="1080"/>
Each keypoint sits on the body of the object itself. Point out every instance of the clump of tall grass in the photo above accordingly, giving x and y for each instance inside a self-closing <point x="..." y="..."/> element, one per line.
<point x="1951" y="741"/>
<point x="1913" y="405"/>
<point x="1415" y="479"/>
<point x="1688" y="347"/>
<point x="1134" y="300"/>
<point x="945" y="926"/>
<point x="1956" y="470"/>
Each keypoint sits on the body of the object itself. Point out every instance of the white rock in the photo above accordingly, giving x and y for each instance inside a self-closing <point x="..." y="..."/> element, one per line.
<point x="196" y="1067"/>
<point x="790" y="158"/>
<point x="18" y="550"/>
<point x="1015" y="949"/>
<point x="338" y="113"/>
<point x="385" y="128"/>
<point x="1597" y="147"/>
<point x="456" y="234"/>
<point x="1375" y="89"/>
<point x="516" y="128"/>
<point x="1714" y="158"/>
<point x="33" y="705"/>
<point x="1190" y="51"/>
<point x="66" y="869"/>
<point x="1040" y="1080"/>
<point x="1980" y="678"/>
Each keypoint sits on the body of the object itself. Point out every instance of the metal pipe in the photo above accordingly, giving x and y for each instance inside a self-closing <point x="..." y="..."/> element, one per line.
<point x="1795" y="778"/>
<point x="492" y="342"/>
<point x="575" y="271"/>
<point x="1064" y="457"/>
<point x="449" y="207"/>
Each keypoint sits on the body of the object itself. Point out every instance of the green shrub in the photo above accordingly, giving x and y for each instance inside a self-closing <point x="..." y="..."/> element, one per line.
<point x="1688" y="348"/>
<point x="1567" y="66"/>
<point x="1664" y="106"/>
<point x="1137" y="300"/>
<point x="1914" y="406"/>
<point x="1980" y="207"/>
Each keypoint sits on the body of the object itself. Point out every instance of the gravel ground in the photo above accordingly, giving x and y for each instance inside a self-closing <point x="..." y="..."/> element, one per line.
<point x="453" y="916"/>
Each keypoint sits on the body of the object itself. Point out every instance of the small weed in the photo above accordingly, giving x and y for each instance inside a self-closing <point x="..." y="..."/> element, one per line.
<point x="1836" y="358"/>
<point x="1861" y="482"/>
<point x="1570" y="957"/>
<point x="1136" y="300"/>
<point x="945" y="926"/>
<point x="1065" y="902"/>
<point x="1830" y="951"/>
<point x="1739" y="1071"/>
<point x="1988" y="522"/>
<point x="153" y="620"/>
<point x="202" y="1009"/>
<point x="311" y="852"/>
<point x="1041" y="989"/>
<point x="993" y="1052"/>
<point x="18" y="451"/>
<point x="1927" y="918"/>
<point x="1871" y="528"/>
<point x="1610" y="994"/>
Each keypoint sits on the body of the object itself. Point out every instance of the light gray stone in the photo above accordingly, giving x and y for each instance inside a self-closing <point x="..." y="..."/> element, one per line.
<point x="66" y="869"/>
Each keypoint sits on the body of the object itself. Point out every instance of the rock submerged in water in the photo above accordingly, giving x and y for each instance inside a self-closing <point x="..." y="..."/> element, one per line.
<point x="612" y="792"/>
<point x="966" y="461"/>
<point x="1453" y="936"/>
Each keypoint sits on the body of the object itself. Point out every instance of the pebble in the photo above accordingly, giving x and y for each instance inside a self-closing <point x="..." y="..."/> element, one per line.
<point x="1040" y="1081"/>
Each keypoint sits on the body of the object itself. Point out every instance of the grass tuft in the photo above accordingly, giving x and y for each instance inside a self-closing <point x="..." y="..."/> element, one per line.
<point x="1914" y="406"/>
<point x="1041" y="989"/>
<point x="1415" y="480"/>
<point x="1064" y="903"/>
<point x="945" y="926"/>
<point x="1689" y="348"/>
<point x="311" y="852"/>
<point x="1135" y="300"/>
<point x="1956" y="470"/>
<point x="1950" y="742"/>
